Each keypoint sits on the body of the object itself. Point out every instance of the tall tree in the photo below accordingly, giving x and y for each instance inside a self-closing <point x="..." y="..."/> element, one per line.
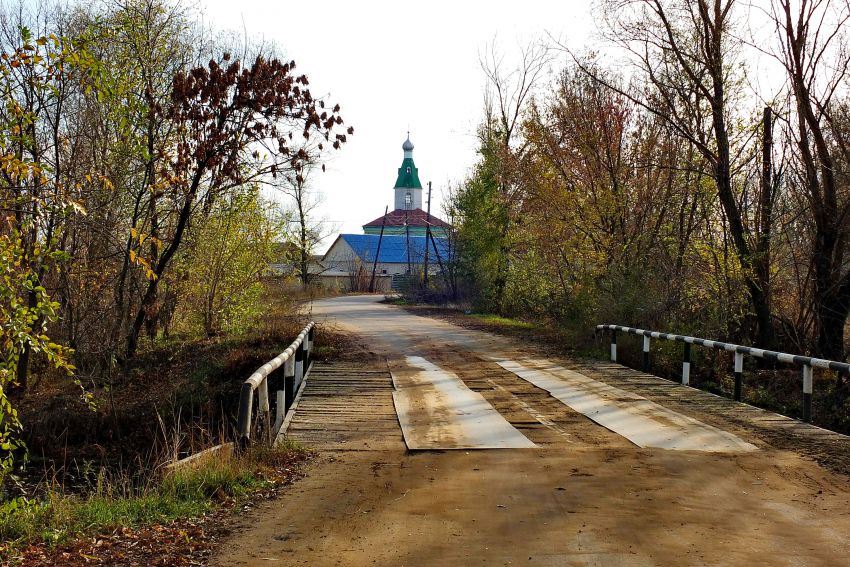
<point x="38" y="78"/>
<point x="306" y="231"/>
<point x="224" y="115"/>
<point x="506" y="95"/>
<point x="814" y="52"/>
<point x="685" y="54"/>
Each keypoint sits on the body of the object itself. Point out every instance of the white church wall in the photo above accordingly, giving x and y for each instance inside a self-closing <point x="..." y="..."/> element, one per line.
<point x="415" y="196"/>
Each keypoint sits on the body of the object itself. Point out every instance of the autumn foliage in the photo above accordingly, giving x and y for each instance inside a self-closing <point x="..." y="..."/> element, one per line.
<point x="128" y="143"/>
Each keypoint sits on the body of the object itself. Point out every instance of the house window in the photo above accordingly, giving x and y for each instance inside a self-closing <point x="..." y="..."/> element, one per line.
<point x="408" y="200"/>
<point x="383" y="271"/>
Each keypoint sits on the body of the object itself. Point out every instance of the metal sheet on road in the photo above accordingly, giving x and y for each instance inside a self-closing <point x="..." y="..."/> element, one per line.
<point x="437" y="411"/>
<point x="641" y="421"/>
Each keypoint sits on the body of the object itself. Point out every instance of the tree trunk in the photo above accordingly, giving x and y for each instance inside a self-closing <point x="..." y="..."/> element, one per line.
<point x="304" y="259"/>
<point x="766" y="335"/>
<point x="164" y="261"/>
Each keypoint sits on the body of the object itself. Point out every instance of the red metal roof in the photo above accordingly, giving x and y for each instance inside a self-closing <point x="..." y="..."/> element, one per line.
<point x="413" y="217"/>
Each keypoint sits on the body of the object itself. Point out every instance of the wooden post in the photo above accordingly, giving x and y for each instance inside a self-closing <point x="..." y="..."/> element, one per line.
<point x="264" y="410"/>
<point x="299" y="365"/>
<point x="280" y="408"/>
<point x="439" y="261"/>
<point x="427" y="234"/>
<point x="407" y="244"/>
<point x="378" y="251"/>
<point x="645" y="353"/>
<point x="243" y="426"/>
<point x="686" y="365"/>
<point x="289" y="382"/>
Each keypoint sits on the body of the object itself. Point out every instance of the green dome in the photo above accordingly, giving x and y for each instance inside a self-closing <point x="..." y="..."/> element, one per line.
<point x="408" y="175"/>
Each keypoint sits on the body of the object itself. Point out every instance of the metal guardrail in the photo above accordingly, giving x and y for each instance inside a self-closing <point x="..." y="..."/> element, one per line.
<point x="807" y="362"/>
<point x="295" y="361"/>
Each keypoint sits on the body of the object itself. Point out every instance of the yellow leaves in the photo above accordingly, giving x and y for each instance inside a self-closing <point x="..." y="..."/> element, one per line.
<point x="137" y="260"/>
<point x="18" y="170"/>
<point x="140" y="237"/>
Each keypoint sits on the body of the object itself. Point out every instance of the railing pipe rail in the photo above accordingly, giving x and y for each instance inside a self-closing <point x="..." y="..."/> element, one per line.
<point x="295" y="361"/>
<point x="806" y="362"/>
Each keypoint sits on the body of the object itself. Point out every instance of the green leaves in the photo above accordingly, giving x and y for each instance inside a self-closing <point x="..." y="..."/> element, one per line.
<point x="219" y="271"/>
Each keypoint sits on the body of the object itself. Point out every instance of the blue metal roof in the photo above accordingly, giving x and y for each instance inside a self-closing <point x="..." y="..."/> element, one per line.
<point x="395" y="248"/>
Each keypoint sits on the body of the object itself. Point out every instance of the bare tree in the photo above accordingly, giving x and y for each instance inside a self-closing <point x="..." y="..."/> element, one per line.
<point x="685" y="55"/>
<point x="308" y="231"/>
<point x="506" y="95"/>
<point x="814" y="52"/>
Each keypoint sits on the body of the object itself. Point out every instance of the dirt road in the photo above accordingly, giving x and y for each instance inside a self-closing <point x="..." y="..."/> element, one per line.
<point x="583" y="495"/>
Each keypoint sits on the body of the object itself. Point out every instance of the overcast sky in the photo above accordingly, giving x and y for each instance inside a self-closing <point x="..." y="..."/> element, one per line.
<point x="391" y="65"/>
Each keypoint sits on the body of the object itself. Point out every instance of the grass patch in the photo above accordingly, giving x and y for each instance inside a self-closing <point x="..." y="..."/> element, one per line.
<point x="499" y="321"/>
<point x="56" y="517"/>
<point x="324" y="351"/>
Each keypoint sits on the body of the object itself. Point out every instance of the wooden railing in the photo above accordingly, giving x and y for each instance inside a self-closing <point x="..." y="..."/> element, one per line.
<point x="286" y="372"/>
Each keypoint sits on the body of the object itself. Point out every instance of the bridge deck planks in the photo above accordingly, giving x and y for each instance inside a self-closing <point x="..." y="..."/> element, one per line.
<point x="726" y="410"/>
<point x="347" y="407"/>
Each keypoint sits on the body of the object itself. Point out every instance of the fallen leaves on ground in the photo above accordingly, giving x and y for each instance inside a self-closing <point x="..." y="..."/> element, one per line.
<point x="183" y="542"/>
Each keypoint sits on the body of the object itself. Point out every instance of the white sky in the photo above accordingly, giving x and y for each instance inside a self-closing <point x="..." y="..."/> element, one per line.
<point x="394" y="64"/>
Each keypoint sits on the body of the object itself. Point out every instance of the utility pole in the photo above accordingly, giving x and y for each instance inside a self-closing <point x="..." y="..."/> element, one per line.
<point x="449" y="283"/>
<point x="378" y="251"/>
<point x="427" y="234"/>
<point x="407" y="242"/>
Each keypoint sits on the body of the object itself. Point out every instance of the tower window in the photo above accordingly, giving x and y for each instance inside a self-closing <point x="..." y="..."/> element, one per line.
<point x="408" y="200"/>
<point x="408" y="170"/>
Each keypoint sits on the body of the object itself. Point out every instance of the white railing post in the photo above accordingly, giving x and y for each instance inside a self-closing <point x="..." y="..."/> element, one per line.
<point x="263" y="395"/>
<point x="739" y="374"/>
<point x="294" y="368"/>
<point x="613" y="345"/>
<point x="807" y="392"/>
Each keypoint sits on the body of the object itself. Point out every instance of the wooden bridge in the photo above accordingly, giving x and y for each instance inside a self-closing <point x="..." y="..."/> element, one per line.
<point x="599" y="464"/>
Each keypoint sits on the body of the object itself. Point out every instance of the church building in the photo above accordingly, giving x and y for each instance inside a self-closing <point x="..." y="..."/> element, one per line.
<point x="408" y="216"/>
<point x="393" y="244"/>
